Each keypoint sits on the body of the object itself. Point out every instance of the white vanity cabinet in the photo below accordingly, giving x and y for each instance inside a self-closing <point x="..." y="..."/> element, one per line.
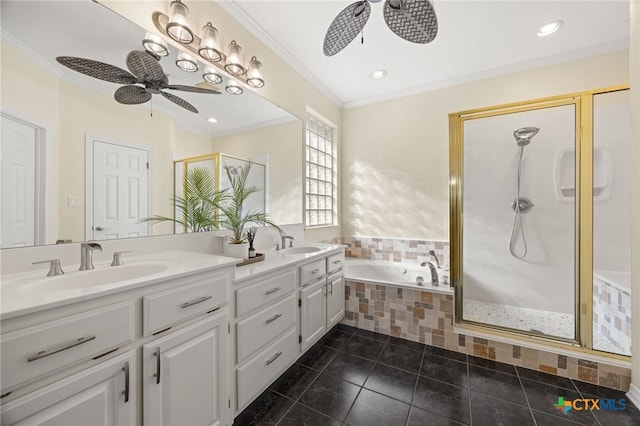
<point x="185" y="375"/>
<point x="156" y="354"/>
<point x="321" y="297"/>
<point x="101" y="395"/>
<point x="266" y="332"/>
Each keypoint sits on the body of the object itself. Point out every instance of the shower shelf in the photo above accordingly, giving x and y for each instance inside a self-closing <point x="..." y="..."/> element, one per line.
<point x="564" y="174"/>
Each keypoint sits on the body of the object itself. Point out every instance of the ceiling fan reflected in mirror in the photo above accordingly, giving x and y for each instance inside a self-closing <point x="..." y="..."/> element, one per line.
<point x="145" y="79"/>
<point x="413" y="20"/>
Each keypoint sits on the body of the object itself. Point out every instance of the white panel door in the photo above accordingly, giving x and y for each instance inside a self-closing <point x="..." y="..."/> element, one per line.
<point x="120" y="191"/>
<point x="186" y="376"/>
<point x="101" y="395"/>
<point x="18" y="156"/>
<point x="313" y="313"/>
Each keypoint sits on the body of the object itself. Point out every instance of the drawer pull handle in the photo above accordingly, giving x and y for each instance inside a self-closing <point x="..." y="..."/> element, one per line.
<point x="273" y="290"/>
<point x="331" y="288"/>
<point x="156" y="353"/>
<point x="43" y="354"/>
<point x="335" y="262"/>
<point x="273" y="318"/>
<point x="126" y="381"/>
<point x="315" y="271"/>
<point x="276" y="356"/>
<point x="195" y="301"/>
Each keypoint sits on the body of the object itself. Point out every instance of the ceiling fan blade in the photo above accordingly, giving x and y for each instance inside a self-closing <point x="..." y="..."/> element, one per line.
<point x="413" y="20"/>
<point x="193" y="89"/>
<point x="179" y="101"/>
<point x="346" y="26"/>
<point x="98" y="70"/>
<point x="144" y="66"/>
<point x="132" y="95"/>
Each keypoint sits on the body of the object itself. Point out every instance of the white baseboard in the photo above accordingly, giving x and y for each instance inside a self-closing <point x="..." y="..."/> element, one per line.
<point x="634" y="395"/>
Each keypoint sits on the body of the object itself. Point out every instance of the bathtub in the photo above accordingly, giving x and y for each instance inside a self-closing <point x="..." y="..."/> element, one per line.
<point x="397" y="274"/>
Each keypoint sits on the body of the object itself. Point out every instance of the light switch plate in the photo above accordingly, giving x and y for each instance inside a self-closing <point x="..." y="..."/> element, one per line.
<point x="74" y="201"/>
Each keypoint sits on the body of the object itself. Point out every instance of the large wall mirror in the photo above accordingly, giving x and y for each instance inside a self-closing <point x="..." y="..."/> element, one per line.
<point x="61" y="130"/>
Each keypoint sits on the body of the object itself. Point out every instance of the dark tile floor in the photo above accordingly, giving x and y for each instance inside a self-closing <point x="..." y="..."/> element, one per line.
<point x="359" y="378"/>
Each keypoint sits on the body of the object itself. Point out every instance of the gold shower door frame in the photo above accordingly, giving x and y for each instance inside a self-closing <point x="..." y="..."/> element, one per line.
<point x="583" y="268"/>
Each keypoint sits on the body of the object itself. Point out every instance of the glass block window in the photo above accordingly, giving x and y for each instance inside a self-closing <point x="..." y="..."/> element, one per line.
<point x="321" y="204"/>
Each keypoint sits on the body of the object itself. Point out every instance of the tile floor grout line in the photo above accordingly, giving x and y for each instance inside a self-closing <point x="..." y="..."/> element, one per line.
<point x="415" y="386"/>
<point x="469" y="388"/>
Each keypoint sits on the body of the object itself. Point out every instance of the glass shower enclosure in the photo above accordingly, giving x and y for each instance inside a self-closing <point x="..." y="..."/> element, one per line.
<point x="535" y="247"/>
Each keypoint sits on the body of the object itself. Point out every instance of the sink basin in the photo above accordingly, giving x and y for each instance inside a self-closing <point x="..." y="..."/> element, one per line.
<point x="91" y="279"/>
<point x="302" y="250"/>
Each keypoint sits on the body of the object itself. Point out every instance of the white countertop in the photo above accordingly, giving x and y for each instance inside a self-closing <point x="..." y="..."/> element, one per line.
<point x="275" y="259"/>
<point x="25" y="292"/>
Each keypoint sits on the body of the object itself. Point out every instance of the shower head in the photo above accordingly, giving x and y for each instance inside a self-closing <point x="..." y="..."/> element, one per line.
<point x="523" y="136"/>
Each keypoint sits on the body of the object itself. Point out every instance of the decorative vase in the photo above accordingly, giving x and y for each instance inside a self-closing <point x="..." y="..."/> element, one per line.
<point x="240" y="251"/>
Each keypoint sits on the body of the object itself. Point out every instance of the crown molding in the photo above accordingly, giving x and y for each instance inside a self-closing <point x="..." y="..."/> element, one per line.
<point x="235" y="9"/>
<point x="496" y="72"/>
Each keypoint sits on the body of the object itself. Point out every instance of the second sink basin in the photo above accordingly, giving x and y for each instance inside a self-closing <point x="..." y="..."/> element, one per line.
<point x="302" y="250"/>
<point x="93" y="278"/>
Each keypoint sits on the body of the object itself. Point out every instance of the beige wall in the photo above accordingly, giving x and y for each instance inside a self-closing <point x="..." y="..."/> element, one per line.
<point x="395" y="153"/>
<point x="280" y="143"/>
<point x="634" y="70"/>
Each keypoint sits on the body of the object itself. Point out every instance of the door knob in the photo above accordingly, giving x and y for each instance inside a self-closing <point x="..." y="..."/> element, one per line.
<point x="99" y="228"/>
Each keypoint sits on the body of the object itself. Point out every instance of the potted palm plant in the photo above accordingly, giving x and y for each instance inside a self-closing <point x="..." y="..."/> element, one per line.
<point x="196" y="210"/>
<point x="233" y="216"/>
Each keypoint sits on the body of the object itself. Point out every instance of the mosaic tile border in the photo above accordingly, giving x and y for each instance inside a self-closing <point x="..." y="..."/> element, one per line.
<point x="426" y="317"/>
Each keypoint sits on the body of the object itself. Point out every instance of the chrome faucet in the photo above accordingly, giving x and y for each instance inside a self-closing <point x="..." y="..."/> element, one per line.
<point x="284" y="239"/>
<point x="433" y="270"/>
<point x="433" y="254"/>
<point x="86" y="255"/>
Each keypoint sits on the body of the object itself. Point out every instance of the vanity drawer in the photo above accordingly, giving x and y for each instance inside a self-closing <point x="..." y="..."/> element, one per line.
<point x="312" y="271"/>
<point x="166" y="308"/>
<point x="256" y="295"/>
<point x="261" y="328"/>
<point x="266" y="366"/>
<point x="37" y="350"/>
<point x="335" y="262"/>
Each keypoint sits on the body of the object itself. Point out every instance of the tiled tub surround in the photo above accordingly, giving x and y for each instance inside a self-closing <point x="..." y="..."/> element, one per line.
<point x="432" y="322"/>
<point x="427" y="317"/>
<point x="612" y="311"/>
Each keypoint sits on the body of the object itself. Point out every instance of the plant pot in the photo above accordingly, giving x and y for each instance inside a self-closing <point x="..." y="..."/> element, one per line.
<point x="240" y="251"/>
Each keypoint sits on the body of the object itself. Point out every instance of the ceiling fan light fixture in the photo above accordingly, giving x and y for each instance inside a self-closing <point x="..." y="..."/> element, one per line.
<point x="254" y="73"/>
<point x="186" y="62"/>
<point x="550" y="28"/>
<point x="234" y="59"/>
<point x="233" y="88"/>
<point x="212" y="120"/>
<point x="154" y="44"/>
<point x="178" y="27"/>
<point x="212" y="76"/>
<point x="209" y="47"/>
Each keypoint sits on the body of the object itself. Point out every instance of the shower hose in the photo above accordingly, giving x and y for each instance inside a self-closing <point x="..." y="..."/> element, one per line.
<point x="517" y="217"/>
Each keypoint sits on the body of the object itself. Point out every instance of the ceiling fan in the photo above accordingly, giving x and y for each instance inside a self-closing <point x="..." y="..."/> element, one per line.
<point x="413" y="20"/>
<point x="145" y="79"/>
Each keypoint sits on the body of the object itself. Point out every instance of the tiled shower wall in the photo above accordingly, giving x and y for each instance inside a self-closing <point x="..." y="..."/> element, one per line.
<point x="428" y="318"/>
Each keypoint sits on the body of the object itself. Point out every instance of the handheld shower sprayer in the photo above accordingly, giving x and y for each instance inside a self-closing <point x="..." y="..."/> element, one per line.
<point x="520" y="204"/>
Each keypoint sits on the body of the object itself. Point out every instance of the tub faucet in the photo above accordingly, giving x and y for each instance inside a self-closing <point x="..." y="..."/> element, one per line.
<point x="433" y="270"/>
<point x="86" y="254"/>
<point x="432" y="253"/>
<point x="284" y="240"/>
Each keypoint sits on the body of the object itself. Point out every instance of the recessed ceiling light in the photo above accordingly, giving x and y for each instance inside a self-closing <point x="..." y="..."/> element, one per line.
<point x="549" y="28"/>
<point x="212" y="120"/>
<point x="379" y="74"/>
